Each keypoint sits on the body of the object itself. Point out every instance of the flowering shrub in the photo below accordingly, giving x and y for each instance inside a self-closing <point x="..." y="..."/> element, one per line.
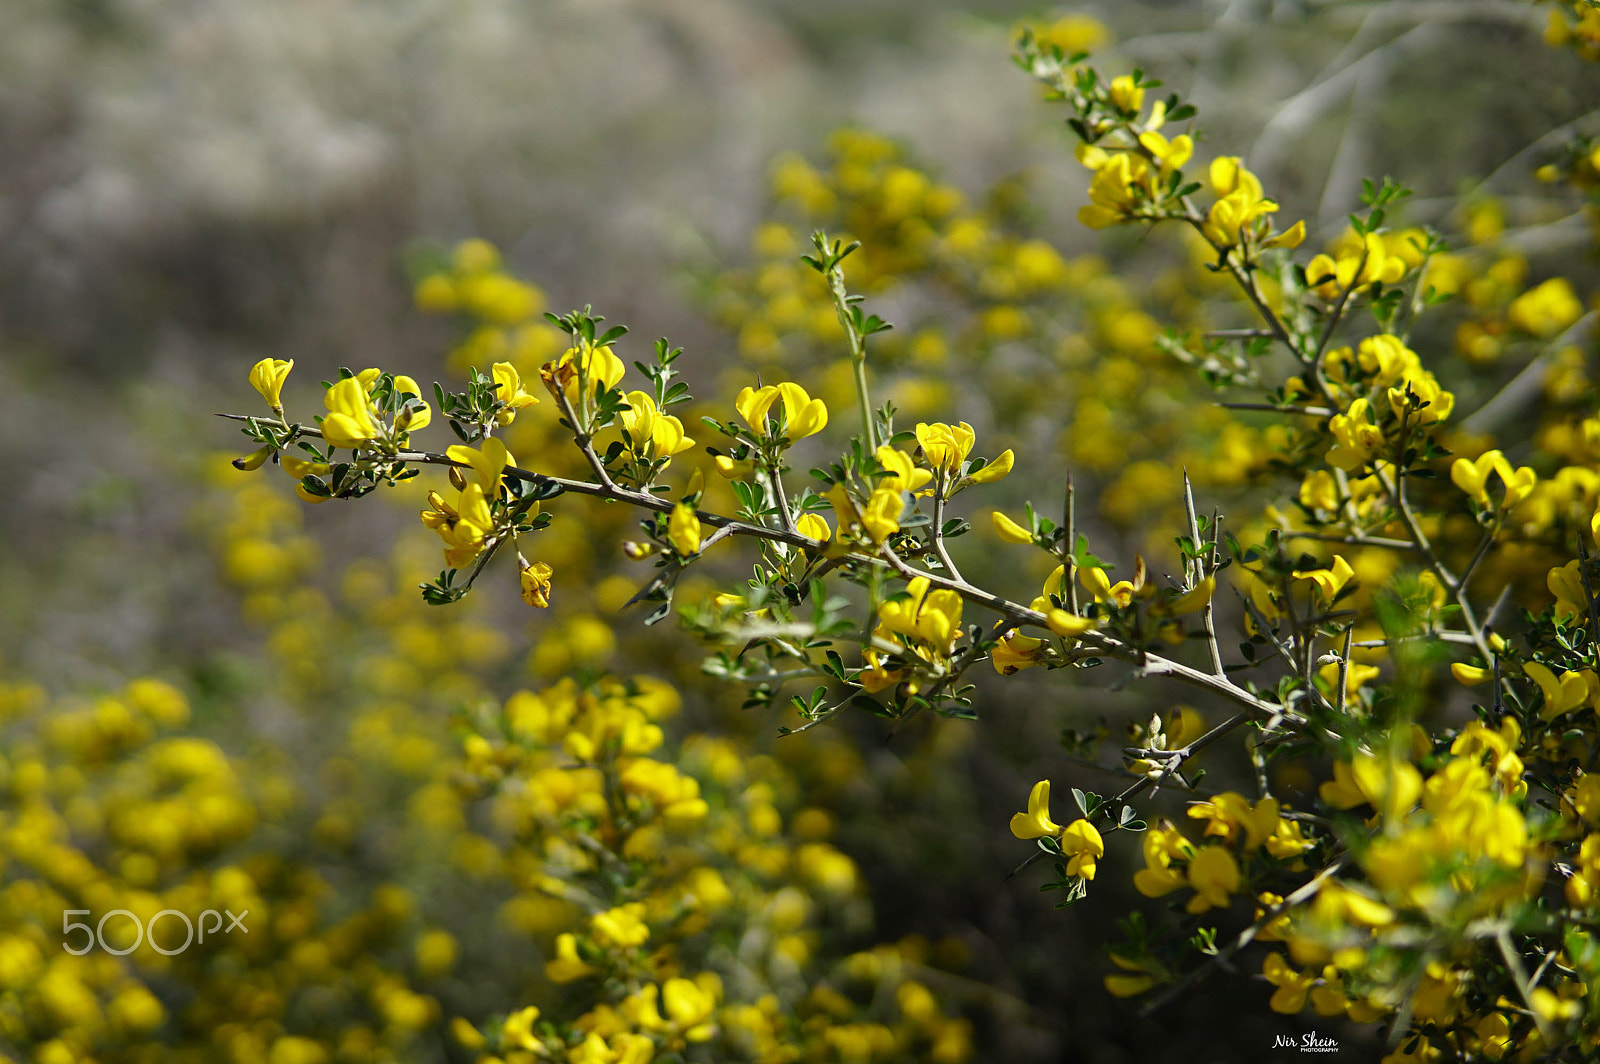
<point x="1435" y="883"/>
<point x="1392" y="632"/>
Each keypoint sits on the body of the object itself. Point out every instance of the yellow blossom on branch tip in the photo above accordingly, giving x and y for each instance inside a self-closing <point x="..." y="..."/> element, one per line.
<point x="600" y="366"/>
<point x="1196" y="598"/>
<point x="689" y="1007"/>
<point x="1036" y="822"/>
<point x="945" y="447"/>
<point x="683" y="530"/>
<point x="1117" y="191"/>
<point x="267" y="377"/>
<point x="1126" y="94"/>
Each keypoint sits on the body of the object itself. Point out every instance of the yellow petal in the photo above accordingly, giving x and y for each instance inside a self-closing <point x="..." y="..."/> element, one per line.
<point x="995" y="470"/>
<point x="1009" y="530"/>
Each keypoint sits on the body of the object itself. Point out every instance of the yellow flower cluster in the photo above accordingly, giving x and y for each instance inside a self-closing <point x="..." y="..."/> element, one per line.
<point x="505" y="311"/>
<point x="578" y="783"/>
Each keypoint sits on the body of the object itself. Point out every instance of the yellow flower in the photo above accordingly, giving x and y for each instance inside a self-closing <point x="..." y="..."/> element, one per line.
<point x="1388" y="786"/>
<point x="1338" y="905"/>
<point x="815" y="526"/>
<point x="1356" y="439"/>
<point x="1170" y="154"/>
<point x="880" y="518"/>
<point x="729" y="469"/>
<point x="1117" y="190"/>
<point x="349" y="422"/>
<point x="1230" y="813"/>
<point x="567" y="966"/>
<point x="599" y="365"/>
<point x="464" y="527"/>
<point x="654" y="434"/>
<point x="267" y="377"/>
<point x="1472" y="475"/>
<point x="1560" y="696"/>
<point x="1162" y="845"/>
<point x="998" y="469"/>
<point x="1293" y="986"/>
<point x="1097" y="583"/>
<point x="683" y="530"/>
<point x="1009" y="530"/>
<point x="803" y="415"/>
<point x="622" y="926"/>
<point x="535" y="580"/>
<point x="931" y="617"/>
<point x="753" y="404"/>
<point x="1189" y="601"/>
<point x="1081" y="842"/>
<point x="1214" y="874"/>
<point x="509" y="390"/>
<point x="1126" y="95"/>
<point x="254" y="460"/>
<point x="903" y="474"/>
<point x="488" y="463"/>
<point x="945" y="447"/>
<point x="518" y="1030"/>
<point x="1067" y="625"/>
<point x="689" y="1007"/>
<point x="1036" y="822"/>
<point x="1133" y="980"/>
<point x="1329" y="581"/>
<point x="1545" y="310"/>
<point x="1240" y="202"/>
<point x="418" y="418"/>
<point x="1432" y="403"/>
<point x="1015" y="652"/>
<point x="1360" y="263"/>
<point x="1356" y="674"/>
<point x="1566" y="584"/>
